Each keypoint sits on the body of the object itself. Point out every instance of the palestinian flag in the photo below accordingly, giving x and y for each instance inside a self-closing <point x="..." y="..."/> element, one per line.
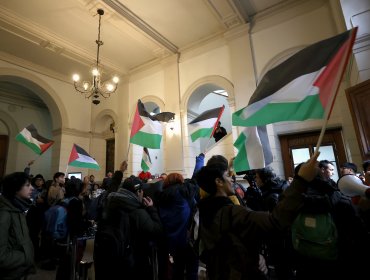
<point x="165" y="117"/>
<point x="301" y="87"/>
<point x="205" y="124"/>
<point x="146" y="162"/>
<point x="80" y="158"/>
<point x="146" y="130"/>
<point x="254" y="149"/>
<point x="30" y="137"/>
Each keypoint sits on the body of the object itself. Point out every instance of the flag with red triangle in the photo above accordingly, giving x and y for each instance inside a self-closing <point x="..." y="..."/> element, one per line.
<point x="146" y="130"/>
<point x="80" y="158"/>
<point x="32" y="139"/>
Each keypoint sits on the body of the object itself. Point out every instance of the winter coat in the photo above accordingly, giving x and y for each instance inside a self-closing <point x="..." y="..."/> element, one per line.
<point x="249" y="226"/>
<point x="271" y="192"/>
<point x="145" y="229"/>
<point x="16" y="249"/>
<point x="353" y="242"/>
<point x="176" y="203"/>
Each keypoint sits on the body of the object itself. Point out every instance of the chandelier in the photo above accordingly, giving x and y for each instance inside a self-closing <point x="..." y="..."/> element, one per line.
<point x="96" y="87"/>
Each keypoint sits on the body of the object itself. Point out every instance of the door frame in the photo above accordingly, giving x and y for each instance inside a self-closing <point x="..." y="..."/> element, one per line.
<point x="332" y="136"/>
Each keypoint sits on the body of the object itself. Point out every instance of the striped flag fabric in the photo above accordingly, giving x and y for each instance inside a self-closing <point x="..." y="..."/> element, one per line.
<point x="80" y="158"/>
<point x="146" y="130"/>
<point x="205" y="124"/>
<point x="165" y="117"/>
<point x="301" y="87"/>
<point x="254" y="149"/>
<point x="32" y="139"/>
<point x="146" y="162"/>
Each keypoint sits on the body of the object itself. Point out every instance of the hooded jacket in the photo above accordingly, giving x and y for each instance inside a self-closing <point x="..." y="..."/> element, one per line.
<point x="176" y="204"/>
<point x="145" y="229"/>
<point x="16" y="249"/>
<point x="249" y="226"/>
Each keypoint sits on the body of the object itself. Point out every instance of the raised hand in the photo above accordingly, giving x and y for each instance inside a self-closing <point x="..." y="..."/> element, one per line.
<point x="310" y="168"/>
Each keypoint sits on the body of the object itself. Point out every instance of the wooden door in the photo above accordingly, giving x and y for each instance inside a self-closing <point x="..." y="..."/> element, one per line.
<point x="4" y="142"/>
<point x="358" y="98"/>
<point x="302" y="146"/>
<point x="109" y="164"/>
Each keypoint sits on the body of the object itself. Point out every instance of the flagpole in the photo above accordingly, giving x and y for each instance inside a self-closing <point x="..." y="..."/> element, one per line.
<point x="128" y="150"/>
<point x="205" y="150"/>
<point x="66" y="173"/>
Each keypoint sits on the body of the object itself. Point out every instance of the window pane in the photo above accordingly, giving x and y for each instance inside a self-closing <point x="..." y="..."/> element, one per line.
<point x="326" y="152"/>
<point x="300" y="155"/>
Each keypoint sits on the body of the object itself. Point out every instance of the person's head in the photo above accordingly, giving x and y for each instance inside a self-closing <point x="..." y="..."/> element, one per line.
<point x="59" y="177"/>
<point x="163" y="176"/>
<point x="215" y="180"/>
<point x="133" y="184"/>
<point x="265" y="176"/>
<point x="16" y="184"/>
<point x="348" y="168"/>
<point x="366" y="165"/>
<point x="38" y="181"/>
<point x="110" y="174"/>
<point x="326" y="168"/>
<point x="74" y="187"/>
<point x="218" y="159"/>
<point x="92" y="178"/>
<point x="219" y="124"/>
<point x="86" y="180"/>
<point x="173" y="179"/>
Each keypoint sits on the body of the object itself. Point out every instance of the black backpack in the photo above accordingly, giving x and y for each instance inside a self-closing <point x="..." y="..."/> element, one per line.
<point x="228" y="259"/>
<point x="113" y="238"/>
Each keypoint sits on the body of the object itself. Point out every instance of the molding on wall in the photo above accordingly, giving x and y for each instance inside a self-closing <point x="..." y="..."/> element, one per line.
<point x="79" y="133"/>
<point x="49" y="40"/>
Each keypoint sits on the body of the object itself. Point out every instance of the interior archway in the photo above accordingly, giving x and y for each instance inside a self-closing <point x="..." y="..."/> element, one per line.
<point x="30" y="103"/>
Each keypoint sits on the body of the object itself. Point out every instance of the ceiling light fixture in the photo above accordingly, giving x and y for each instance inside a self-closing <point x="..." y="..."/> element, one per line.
<point x="96" y="88"/>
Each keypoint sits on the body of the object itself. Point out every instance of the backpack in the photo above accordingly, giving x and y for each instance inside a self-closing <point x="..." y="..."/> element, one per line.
<point x="113" y="238"/>
<point x="55" y="220"/>
<point x="228" y="258"/>
<point x="315" y="236"/>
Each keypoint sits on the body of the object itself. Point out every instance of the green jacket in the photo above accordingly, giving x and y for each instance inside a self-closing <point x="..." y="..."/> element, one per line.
<point x="16" y="249"/>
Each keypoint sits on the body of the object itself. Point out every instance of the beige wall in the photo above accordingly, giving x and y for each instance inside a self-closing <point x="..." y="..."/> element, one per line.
<point x="227" y="61"/>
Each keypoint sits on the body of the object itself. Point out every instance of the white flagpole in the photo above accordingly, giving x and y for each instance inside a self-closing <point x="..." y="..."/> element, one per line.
<point x="205" y="149"/>
<point x="128" y="150"/>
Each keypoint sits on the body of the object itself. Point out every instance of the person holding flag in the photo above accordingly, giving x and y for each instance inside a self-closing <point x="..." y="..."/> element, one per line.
<point x="220" y="132"/>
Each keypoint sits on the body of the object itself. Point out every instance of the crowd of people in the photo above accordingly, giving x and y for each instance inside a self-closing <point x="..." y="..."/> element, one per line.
<point x="168" y="227"/>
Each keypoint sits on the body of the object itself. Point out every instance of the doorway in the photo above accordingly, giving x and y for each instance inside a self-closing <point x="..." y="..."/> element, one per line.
<point x="109" y="163"/>
<point x="298" y="148"/>
<point x="4" y="141"/>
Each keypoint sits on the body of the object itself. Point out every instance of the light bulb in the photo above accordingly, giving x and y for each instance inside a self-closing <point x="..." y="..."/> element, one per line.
<point x="115" y="79"/>
<point x="86" y="85"/>
<point x="109" y="87"/>
<point x="76" y="77"/>
<point x="95" y="72"/>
